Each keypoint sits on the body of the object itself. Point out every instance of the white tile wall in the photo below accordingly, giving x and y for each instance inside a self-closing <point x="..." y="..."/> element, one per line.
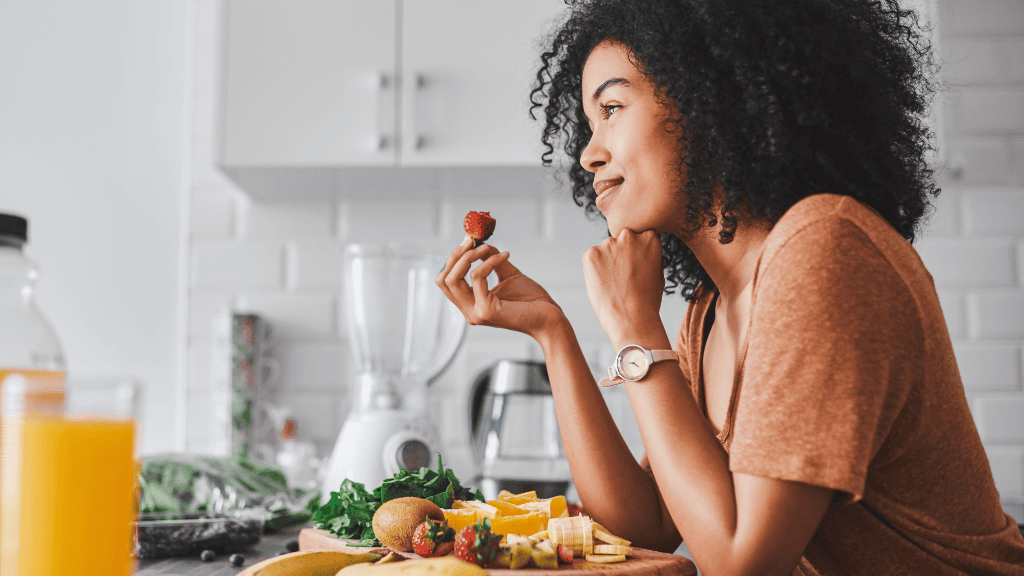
<point x="978" y="267"/>
<point x="281" y="260"/>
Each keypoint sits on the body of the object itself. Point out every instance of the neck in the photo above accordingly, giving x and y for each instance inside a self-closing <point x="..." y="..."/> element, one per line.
<point x="731" y="266"/>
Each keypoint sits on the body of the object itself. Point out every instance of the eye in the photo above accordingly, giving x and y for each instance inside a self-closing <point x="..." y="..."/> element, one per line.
<point x="608" y="109"/>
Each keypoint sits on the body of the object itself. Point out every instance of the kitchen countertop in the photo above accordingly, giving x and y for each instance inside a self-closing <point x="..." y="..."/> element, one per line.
<point x="269" y="546"/>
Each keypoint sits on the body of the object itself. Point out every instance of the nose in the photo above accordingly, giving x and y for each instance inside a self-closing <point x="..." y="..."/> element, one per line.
<point x="595" y="154"/>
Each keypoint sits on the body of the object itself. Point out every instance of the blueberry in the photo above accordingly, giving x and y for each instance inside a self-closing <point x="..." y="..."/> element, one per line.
<point x="207" y="555"/>
<point x="292" y="546"/>
<point x="236" y="559"/>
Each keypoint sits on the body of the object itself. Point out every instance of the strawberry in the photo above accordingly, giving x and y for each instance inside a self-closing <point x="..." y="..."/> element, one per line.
<point x="479" y="225"/>
<point x="433" y="538"/>
<point x="564" y="554"/>
<point x="477" y="544"/>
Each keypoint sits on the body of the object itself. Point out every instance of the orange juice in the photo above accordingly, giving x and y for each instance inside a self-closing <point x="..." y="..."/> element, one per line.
<point x="21" y="391"/>
<point x="78" y="500"/>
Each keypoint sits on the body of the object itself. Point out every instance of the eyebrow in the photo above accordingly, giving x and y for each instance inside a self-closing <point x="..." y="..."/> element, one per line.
<point x="607" y="83"/>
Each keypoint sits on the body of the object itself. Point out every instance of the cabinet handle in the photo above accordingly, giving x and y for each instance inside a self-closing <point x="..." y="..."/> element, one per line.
<point x="418" y="140"/>
<point x="379" y="82"/>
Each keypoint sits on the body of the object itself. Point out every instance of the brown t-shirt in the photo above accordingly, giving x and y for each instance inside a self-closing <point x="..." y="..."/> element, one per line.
<point x="848" y="381"/>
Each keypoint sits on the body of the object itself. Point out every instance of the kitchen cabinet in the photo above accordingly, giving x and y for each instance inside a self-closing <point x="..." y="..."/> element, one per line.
<point x="467" y="68"/>
<point x="308" y="83"/>
<point x="326" y="84"/>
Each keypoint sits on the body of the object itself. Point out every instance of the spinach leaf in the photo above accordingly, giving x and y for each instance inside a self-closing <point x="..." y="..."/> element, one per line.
<point x="348" y="513"/>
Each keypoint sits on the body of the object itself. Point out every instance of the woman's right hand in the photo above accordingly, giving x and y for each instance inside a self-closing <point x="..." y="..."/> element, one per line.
<point x="516" y="302"/>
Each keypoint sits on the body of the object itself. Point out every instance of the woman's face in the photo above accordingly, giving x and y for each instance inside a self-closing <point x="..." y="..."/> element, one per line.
<point x="632" y="153"/>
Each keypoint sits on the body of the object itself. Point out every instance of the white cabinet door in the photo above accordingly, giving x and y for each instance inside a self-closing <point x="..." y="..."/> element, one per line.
<point x="467" y="67"/>
<point x="309" y="83"/>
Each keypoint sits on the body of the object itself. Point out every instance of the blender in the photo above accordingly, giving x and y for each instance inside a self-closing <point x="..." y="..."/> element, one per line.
<point x="514" y="431"/>
<point x="402" y="332"/>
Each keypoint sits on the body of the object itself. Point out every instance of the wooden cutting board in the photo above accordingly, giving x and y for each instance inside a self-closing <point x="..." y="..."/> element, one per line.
<point x="641" y="563"/>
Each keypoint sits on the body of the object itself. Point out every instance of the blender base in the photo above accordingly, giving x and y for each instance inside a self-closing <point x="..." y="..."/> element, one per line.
<point x="374" y="445"/>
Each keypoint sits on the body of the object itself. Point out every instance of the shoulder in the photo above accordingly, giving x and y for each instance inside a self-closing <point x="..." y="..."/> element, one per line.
<point x="842" y="230"/>
<point x="842" y="263"/>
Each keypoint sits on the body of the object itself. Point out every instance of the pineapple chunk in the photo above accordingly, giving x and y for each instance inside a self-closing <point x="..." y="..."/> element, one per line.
<point x="486" y="510"/>
<point x="554" y="507"/>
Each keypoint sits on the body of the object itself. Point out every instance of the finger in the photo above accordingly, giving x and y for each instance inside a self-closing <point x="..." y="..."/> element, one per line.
<point x="442" y="276"/>
<point x="480" y="274"/>
<point x="456" y="279"/>
<point x="454" y="257"/>
<point x="504" y="269"/>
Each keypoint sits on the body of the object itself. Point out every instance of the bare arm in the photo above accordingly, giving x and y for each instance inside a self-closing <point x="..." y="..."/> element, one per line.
<point x="732" y="523"/>
<point x="613" y="488"/>
<point x="612" y="485"/>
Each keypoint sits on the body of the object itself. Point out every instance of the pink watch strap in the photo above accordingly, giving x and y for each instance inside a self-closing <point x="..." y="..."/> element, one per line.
<point x="660" y="355"/>
<point x="656" y="355"/>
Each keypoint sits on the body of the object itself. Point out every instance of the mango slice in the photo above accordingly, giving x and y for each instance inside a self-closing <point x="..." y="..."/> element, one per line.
<point x="460" y="518"/>
<point x="521" y="524"/>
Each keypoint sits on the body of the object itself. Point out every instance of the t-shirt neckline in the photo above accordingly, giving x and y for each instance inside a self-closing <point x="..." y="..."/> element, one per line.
<point x="724" y="434"/>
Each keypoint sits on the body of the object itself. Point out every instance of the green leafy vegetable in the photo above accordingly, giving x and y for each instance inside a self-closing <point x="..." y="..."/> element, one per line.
<point x="349" y="512"/>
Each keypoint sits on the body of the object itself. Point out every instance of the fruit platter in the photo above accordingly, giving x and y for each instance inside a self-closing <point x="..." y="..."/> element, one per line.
<point x="514" y="533"/>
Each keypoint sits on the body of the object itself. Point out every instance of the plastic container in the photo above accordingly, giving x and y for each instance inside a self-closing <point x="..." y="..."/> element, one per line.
<point x="162" y="535"/>
<point x="31" y="372"/>
<point x="27" y="341"/>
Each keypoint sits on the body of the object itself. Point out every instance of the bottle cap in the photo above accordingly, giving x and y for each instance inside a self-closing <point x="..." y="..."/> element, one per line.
<point x="16" y="226"/>
<point x="288" y="430"/>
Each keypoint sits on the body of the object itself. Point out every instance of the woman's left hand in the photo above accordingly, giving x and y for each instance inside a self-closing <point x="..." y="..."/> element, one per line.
<point x="625" y="284"/>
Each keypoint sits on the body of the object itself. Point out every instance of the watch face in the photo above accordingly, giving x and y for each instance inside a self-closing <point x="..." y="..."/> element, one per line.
<point x="632" y="364"/>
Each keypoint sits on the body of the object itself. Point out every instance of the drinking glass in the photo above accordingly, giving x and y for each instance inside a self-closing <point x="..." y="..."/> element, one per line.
<point x="78" y="484"/>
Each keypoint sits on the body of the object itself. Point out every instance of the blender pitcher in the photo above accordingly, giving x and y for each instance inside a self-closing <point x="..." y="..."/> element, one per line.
<point x="402" y="332"/>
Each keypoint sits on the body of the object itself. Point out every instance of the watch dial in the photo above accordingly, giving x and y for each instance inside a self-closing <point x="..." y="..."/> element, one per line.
<point x="633" y="364"/>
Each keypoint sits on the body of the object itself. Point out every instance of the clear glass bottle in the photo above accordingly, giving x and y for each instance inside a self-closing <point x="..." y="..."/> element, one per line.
<point x="32" y="373"/>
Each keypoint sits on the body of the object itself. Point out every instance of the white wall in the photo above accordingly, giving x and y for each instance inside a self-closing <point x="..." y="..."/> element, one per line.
<point x="975" y="249"/>
<point x="278" y="259"/>
<point x="92" y="106"/>
<point x="91" y="134"/>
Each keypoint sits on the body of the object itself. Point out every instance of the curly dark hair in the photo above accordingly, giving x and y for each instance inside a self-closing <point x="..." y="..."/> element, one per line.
<point x="777" y="100"/>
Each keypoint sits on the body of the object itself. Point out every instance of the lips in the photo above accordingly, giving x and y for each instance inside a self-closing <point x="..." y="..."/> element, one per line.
<point x="603" y="186"/>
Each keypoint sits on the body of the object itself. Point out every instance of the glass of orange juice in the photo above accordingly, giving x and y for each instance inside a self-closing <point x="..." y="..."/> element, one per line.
<point x="78" y="486"/>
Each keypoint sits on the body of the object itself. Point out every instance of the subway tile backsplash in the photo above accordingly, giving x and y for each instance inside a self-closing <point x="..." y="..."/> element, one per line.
<point x="280" y="259"/>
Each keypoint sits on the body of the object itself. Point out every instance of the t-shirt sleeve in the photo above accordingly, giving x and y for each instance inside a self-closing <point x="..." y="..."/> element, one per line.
<point x="834" y="337"/>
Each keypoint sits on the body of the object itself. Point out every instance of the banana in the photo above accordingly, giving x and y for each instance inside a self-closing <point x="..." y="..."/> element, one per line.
<point x="602" y="534"/>
<point x="605" y="558"/>
<point x="612" y="549"/>
<point x="308" y="563"/>
<point x="389" y="558"/>
<point x="583" y="536"/>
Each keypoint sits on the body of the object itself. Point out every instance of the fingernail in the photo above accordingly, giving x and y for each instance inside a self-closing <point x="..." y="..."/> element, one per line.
<point x="467" y="240"/>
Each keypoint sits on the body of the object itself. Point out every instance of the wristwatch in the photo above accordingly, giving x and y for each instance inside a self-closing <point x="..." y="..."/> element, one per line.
<point x="633" y="362"/>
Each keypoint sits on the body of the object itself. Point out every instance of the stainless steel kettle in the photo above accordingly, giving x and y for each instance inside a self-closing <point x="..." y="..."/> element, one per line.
<point x="514" y="432"/>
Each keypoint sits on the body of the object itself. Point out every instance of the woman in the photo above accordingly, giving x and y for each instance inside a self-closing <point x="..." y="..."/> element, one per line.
<point x="810" y="417"/>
